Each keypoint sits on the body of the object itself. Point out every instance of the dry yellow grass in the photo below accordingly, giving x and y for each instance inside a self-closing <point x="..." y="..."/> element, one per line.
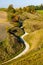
<point x="32" y="25"/>
<point x="3" y="16"/>
<point x="35" y="54"/>
<point x="34" y="38"/>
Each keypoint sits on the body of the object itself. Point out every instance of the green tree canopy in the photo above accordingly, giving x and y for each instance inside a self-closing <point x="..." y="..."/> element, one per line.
<point x="11" y="9"/>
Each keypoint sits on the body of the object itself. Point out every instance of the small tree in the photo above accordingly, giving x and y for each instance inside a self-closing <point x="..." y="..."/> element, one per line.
<point x="11" y="9"/>
<point x="20" y="10"/>
<point x="32" y="9"/>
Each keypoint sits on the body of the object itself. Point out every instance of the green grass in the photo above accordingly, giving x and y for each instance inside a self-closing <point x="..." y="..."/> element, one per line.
<point x="40" y="11"/>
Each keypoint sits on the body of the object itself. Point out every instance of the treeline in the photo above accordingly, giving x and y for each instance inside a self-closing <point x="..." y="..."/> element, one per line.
<point x="27" y="8"/>
<point x="40" y="7"/>
<point x="30" y="8"/>
<point x="3" y="9"/>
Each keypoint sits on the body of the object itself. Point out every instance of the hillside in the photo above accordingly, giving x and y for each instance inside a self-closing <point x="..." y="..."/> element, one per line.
<point x="3" y="16"/>
<point x="33" y="25"/>
<point x="15" y="23"/>
<point x="33" y="22"/>
<point x="35" y="54"/>
<point x="10" y="44"/>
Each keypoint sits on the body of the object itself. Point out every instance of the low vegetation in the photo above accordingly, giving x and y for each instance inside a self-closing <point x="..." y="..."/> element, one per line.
<point x="10" y="44"/>
<point x="31" y="25"/>
<point x="10" y="47"/>
<point x="27" y="19"/>
<point x="35" y="54"/>
<point x="40" y="12"/>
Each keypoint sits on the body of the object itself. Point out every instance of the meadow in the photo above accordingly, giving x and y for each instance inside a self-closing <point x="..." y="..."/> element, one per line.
<point x="40" y="11"/>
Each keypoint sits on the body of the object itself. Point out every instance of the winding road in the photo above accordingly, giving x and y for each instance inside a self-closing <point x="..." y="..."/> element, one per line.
<point x="23" y="52"/>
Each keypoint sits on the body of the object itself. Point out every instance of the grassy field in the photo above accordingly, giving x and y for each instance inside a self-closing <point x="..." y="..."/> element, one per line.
<point x="40" y="11"/>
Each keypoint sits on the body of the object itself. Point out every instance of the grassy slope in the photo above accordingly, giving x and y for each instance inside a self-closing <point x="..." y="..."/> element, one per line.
<point x="6" y="44"/>
<point x="35" y="38"/>
<point x="34" y="22"/>
<point x="32" y="25"/>
<point x="35" y="55"/>
<point x="3" y="16"/>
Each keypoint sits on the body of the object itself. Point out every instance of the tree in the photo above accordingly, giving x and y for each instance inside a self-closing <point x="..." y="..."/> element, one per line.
<point x="41" y="7"/>
<point x="11" y="12"/>
<point x="24" y="9"/>
<point x="11" y="9"/>
<point x="32" y="9"/>
<point x="20" y="10"/>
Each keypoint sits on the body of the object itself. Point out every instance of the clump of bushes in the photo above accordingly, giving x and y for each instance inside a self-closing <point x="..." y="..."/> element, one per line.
<point x="10" y="12"/>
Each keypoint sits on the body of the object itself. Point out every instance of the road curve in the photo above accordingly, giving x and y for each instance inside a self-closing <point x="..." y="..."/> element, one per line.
<point x="23" y="52"/>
